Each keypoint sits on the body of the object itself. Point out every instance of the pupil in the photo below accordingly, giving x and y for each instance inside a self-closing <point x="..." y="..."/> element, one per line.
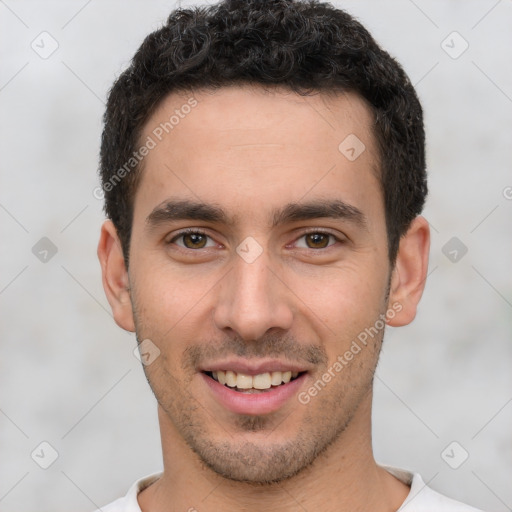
<point x="318" y="240"/>
<point x="195" y="240"/>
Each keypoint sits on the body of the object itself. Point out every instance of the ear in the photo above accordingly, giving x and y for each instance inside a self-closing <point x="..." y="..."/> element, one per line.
<point x="410" y="272"/>
<point x="115" y="276"/>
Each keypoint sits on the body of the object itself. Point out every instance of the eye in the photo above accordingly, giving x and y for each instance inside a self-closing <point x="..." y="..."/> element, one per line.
<point x="192" y="239"/>
<point x="316" y="240"/>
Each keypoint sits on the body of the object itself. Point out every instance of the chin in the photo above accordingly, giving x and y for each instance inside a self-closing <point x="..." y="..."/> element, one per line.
<point x="257" y="464"/>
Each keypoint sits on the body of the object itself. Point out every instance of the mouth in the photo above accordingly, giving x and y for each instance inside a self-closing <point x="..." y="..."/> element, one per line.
<point x="254" y="390"/>
<point x="249" y="384"/>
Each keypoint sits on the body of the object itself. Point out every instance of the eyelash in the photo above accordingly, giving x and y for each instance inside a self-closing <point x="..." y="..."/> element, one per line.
<point x="190" y="231"/>
<point x="197" y="231"/>
<point x="318" y="231"/>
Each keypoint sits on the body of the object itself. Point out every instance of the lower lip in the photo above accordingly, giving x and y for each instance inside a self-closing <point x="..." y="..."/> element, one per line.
<point x="254" y="403"/>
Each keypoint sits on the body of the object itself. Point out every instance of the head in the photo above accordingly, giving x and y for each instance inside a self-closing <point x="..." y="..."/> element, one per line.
<point x="291" y="147"/>
<point x="305" y="47"/>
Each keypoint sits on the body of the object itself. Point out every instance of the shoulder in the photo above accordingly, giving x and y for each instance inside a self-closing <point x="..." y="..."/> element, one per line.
<point x="120" y="505"/>
<point x="129" y="503"/>
<point x="422" y="498"/>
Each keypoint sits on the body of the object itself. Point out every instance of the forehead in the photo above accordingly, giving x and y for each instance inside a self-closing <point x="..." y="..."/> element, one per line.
<point x="245" y="145"/>
<point x="244" y="110"/>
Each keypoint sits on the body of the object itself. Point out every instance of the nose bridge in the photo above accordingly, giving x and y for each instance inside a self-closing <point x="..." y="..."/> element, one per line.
<point x="252" y="300"/>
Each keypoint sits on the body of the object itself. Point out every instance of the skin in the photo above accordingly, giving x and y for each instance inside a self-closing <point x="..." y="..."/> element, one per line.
<point x="303" y="299"/>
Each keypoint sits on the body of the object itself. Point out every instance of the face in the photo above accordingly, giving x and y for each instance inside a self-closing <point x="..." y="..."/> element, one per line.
<point x="258" y="258"/>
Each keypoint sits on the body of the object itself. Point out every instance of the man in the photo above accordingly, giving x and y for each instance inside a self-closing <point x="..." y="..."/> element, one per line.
<point x="264" y="171"/>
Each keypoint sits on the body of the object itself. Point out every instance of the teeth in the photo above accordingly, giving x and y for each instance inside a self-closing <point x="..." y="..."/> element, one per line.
<point x="260" y="381"/>
<point x="276" y="378"/>
<point x="243" y="381"/>
<point x="221" y="377"/>
<point x="230" y="378"/>
<point x="287" y="377"/>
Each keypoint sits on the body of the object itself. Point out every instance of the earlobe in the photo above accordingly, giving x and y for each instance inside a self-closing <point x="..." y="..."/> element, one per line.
<point x="410" y="272"/>
<point x="115" y="276"/>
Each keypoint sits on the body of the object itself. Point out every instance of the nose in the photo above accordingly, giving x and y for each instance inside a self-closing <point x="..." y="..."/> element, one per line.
<point x="253" y="300"/>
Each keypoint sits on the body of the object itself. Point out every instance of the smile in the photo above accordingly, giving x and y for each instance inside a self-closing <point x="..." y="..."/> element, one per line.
<point x="261" y="382"/>
<point x="254" y="391"/>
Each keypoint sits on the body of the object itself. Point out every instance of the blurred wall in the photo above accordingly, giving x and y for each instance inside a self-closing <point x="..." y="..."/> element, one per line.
<point x="68" y="376"/>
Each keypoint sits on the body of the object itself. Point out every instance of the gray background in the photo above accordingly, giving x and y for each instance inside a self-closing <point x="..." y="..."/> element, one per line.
<point x="67" y="372"/>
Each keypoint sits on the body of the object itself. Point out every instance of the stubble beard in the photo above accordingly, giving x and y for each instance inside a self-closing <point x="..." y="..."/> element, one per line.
<point x="236" y="457"/>
<point x="270" y="463"/>
<point x="252" y="463"/>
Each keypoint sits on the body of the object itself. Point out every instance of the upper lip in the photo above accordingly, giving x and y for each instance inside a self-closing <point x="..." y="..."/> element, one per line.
<point x="253" y="367"/>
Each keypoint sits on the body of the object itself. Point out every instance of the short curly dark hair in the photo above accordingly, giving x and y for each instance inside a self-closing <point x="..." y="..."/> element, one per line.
<point x="304" y="46"/>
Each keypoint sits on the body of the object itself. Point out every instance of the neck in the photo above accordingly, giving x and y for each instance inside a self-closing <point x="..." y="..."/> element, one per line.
<point x="344" y="478"/>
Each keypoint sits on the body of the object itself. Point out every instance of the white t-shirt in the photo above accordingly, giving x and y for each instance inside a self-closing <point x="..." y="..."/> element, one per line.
<point x="420" y="499"/>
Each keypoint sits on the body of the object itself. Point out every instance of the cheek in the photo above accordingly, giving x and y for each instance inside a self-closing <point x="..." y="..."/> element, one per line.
<point x="164" y="303"/>
<point x="345" y="299"/>
<point x="167" y="292"/>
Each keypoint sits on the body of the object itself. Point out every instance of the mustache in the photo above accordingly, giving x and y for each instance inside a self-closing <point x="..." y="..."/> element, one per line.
<point x="270" y="345"/>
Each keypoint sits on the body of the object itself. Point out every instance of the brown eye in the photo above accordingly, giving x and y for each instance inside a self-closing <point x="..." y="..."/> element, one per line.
<point x="192" y="240"/>
<point x="317" y="240"/>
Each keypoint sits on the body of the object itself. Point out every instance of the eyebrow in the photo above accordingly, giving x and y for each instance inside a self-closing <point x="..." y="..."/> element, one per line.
<point x="173" y="210"/>
<point x="333" y="209"/>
